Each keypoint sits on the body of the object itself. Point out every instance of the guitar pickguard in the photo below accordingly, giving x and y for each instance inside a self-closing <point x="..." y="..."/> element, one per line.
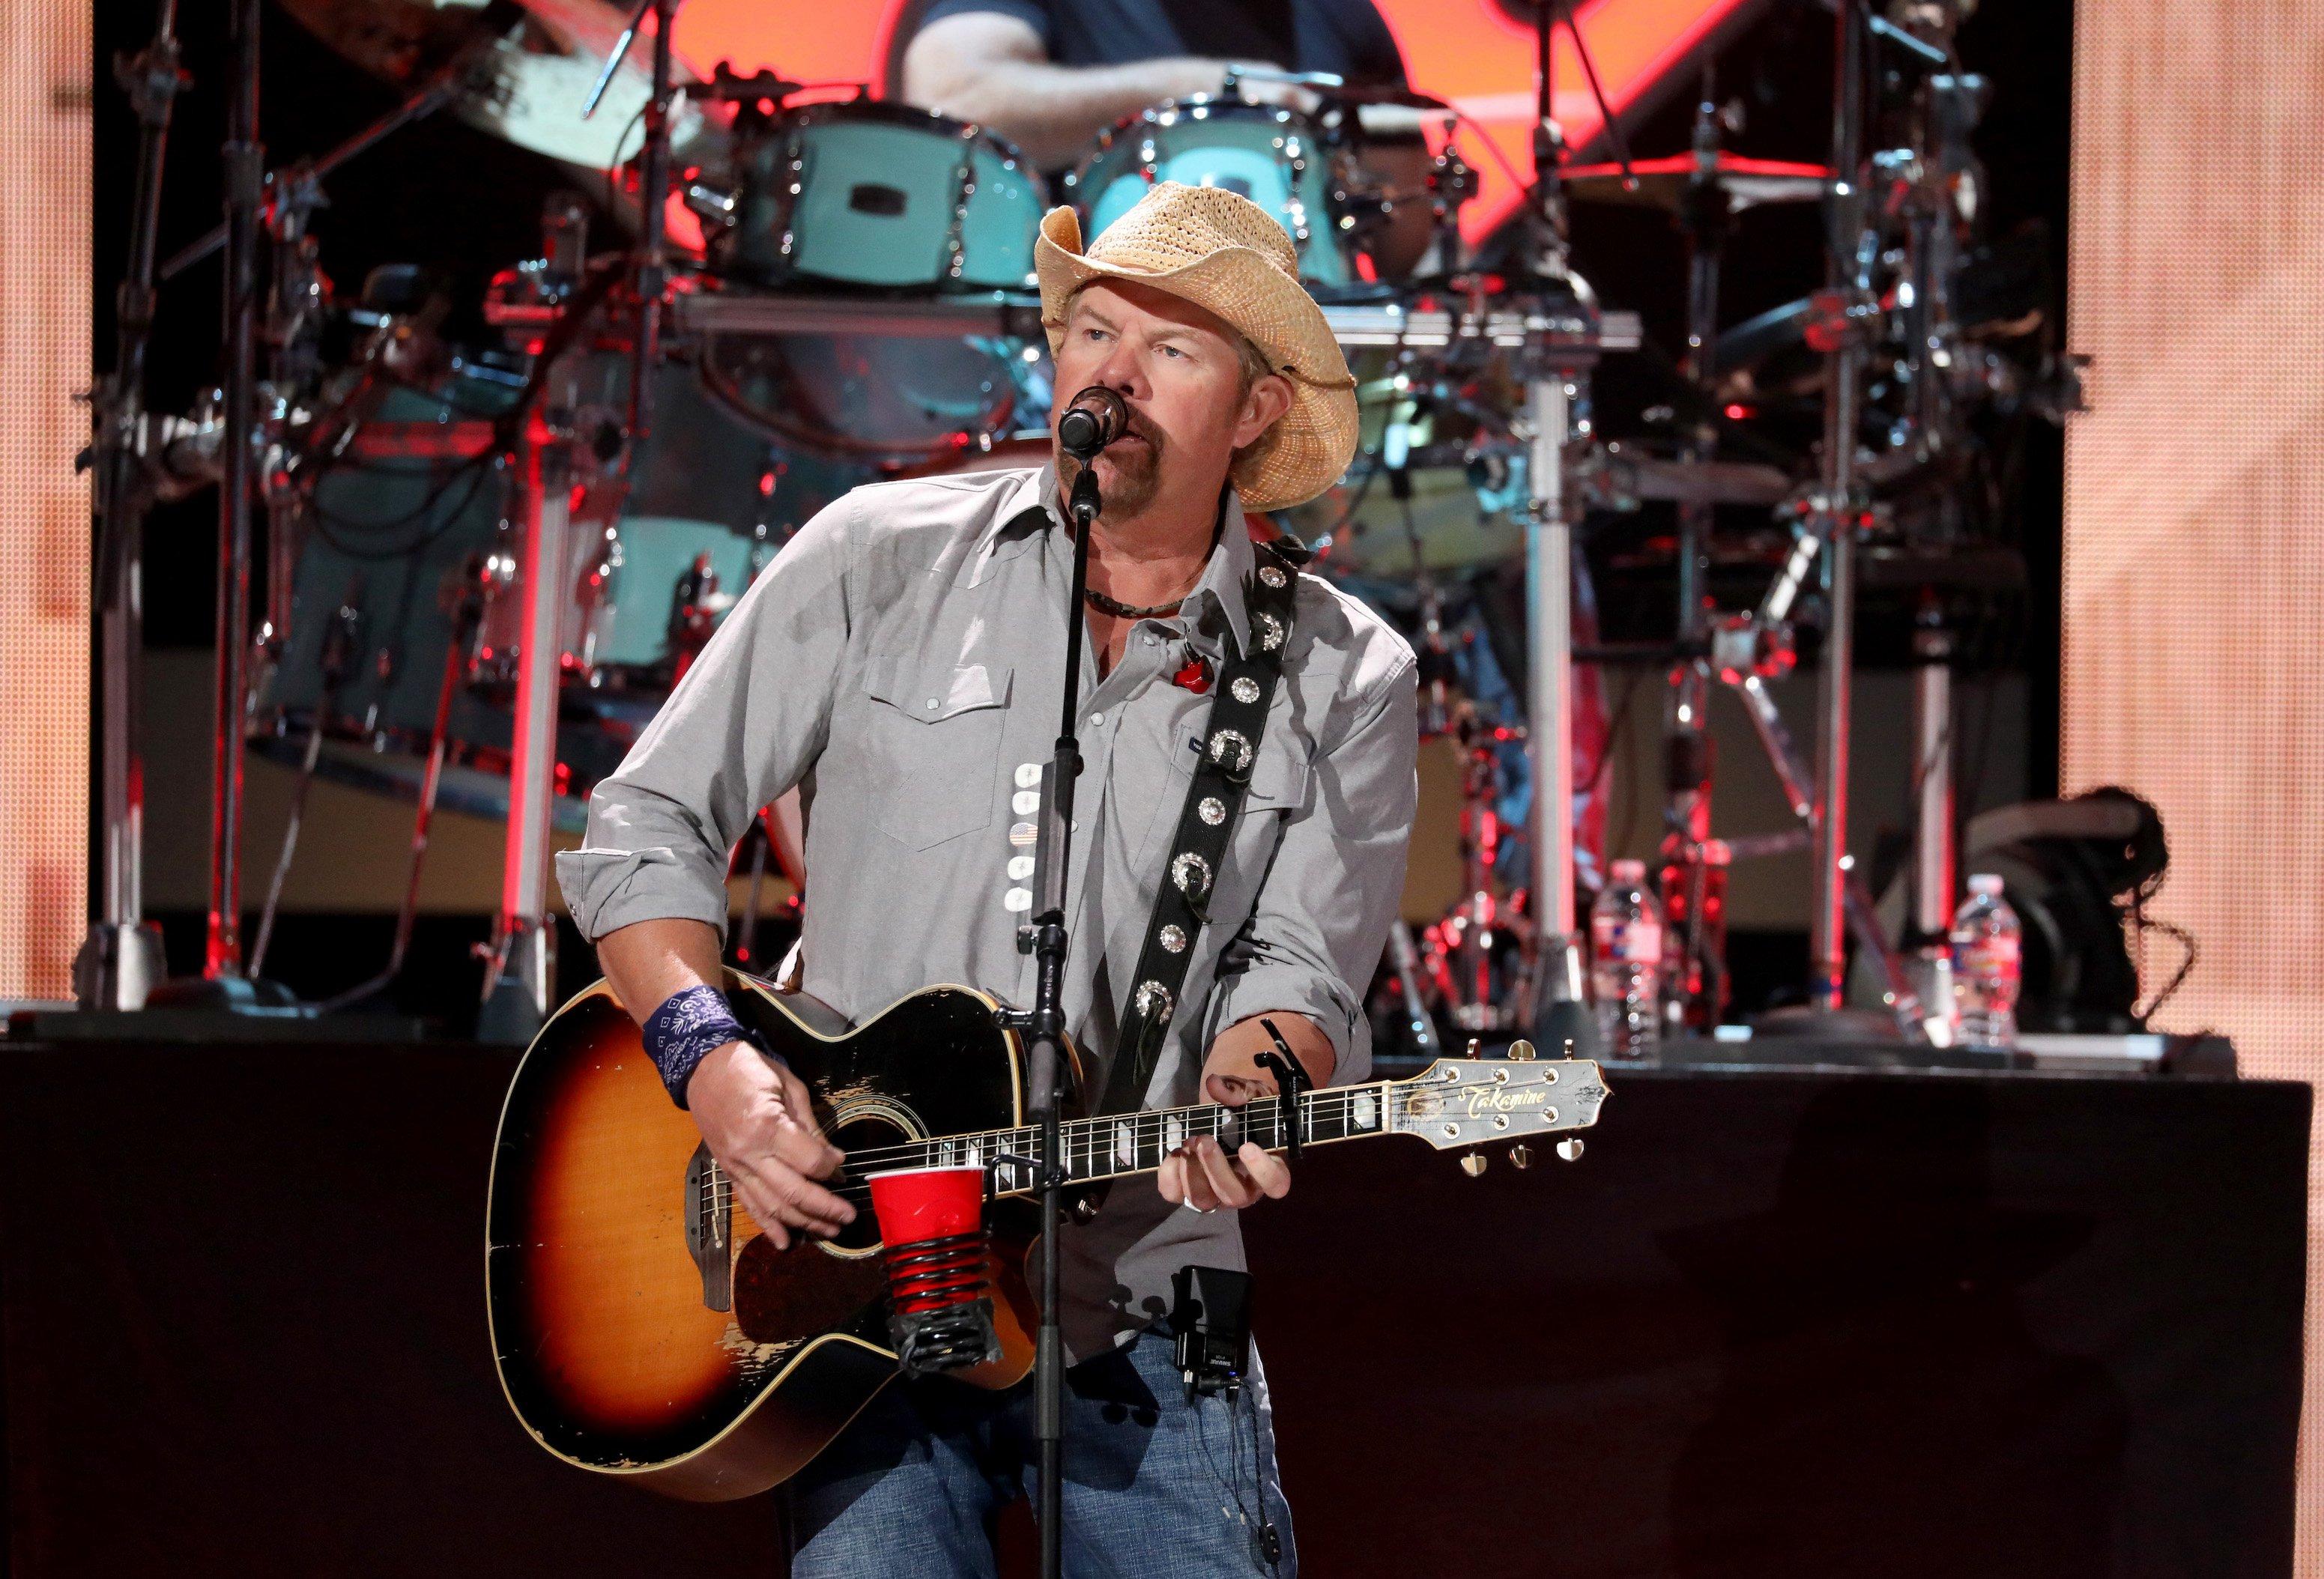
<point x="782" y="1296"/>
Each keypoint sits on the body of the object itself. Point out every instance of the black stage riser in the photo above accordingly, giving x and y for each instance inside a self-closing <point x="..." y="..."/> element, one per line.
<point x="1797" y="1326"/>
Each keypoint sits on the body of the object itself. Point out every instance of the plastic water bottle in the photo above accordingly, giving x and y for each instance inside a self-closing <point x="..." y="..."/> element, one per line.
<point x="1987" y="966"/>
<point x="1625" y="962"/>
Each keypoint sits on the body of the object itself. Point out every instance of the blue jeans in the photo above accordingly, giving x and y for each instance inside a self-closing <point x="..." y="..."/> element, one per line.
<point x="1154" y="1487"/>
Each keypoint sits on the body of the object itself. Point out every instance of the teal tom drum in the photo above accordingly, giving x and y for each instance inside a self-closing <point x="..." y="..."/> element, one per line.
<point x="1276" y="157"/>
<point x="881" y="196"/>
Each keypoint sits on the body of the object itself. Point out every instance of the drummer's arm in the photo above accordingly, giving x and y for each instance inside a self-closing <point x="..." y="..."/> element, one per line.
<point x="992" y="68"/>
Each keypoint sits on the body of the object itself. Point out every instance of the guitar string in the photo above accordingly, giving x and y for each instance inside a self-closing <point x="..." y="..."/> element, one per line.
<point x="1150" y="1128"/>
<point x="1147" y="1128"/>
<point x="1150" y="1147"/>
<point x="1334" y="1103"/>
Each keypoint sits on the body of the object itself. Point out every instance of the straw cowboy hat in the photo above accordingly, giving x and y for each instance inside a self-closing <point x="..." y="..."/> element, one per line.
<point x="1225" y="253"/>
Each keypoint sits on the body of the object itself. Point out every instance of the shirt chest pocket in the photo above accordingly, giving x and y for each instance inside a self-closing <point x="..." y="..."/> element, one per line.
<point x="936" y="738"/>
<point x="1277" y="791"/>
<point x="1278" y="781"/>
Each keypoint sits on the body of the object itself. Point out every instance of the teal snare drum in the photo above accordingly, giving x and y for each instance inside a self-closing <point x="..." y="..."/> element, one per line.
<point x="881" y="196"/>
<point x="1276" y="157"/>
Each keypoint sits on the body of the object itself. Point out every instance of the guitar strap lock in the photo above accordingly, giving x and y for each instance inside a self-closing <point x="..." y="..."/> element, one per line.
<point x="1226" y="752"/>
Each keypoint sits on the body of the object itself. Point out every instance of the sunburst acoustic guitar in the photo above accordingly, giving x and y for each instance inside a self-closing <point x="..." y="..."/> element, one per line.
<point x="645" y="1330"/>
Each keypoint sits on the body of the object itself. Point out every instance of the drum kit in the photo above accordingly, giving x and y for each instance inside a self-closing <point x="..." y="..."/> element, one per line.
<point x="488" y="562"/>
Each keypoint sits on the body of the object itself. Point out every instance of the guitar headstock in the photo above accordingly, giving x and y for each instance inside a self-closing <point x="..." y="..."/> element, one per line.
<point x="1459" y="1102"/>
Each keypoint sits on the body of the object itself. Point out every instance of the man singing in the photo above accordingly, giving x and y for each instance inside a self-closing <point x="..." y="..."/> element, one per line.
<point x="899" y="662"/>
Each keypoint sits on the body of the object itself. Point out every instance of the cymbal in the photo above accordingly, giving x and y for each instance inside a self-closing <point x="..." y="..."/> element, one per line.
<point x="1662" y="183"/>
<point x="1750" y="343"/>
<point x="537" y="63"/>
<point x="401" y="41"/>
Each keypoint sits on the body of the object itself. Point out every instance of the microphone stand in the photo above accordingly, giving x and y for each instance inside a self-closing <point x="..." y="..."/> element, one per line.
<point x="1045" y="937"/>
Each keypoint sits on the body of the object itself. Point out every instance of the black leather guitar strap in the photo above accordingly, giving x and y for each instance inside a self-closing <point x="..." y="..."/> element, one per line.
<point x="1230" y="745"/>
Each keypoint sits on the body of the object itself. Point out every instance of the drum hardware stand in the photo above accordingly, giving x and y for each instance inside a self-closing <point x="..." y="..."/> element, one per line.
<point x="294" y="323"/>
<point x="1438" y="679"/>
<point x="651" y="276"/>
<point x="1838" y="513"/>
<point x="338" y="653"/>
<point x="1705" y="220"/>
<point x="222" y="983"/>
<point x="249" y="194"/>
<point x="1462" y="947"/>
<point x="780" y="838"/>
<point x="1555" y="385"/>
<point x="742" y="937"/>
<point x="1933" y="848"/>
<point x="521" y="960"/>
<point x="121" y="960"/>
<point x="1747" y="651"/>
<point x="1404" y="954"/>
<point x="459" y="76"/>
<point x="467" y="612"/>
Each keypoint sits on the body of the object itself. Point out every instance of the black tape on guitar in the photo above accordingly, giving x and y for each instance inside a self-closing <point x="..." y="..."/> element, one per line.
<point x="1229" y="747"/>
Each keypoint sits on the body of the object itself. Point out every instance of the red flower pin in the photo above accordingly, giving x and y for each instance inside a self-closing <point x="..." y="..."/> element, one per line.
<point x="1196" y="676"/>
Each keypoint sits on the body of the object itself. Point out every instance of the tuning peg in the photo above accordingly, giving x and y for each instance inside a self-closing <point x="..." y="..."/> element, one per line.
<point x="1472" y="1163"/>
<point x="1569" y="1149"/>
<point x="1476" y="1046"/>
<point x="1520" y="1156"/>
<point x="1569" y="1047"/>
<point x="1521" y="1050"/>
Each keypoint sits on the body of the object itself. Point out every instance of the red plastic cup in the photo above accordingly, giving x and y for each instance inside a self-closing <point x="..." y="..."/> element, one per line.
<point x="918" y="1205"/>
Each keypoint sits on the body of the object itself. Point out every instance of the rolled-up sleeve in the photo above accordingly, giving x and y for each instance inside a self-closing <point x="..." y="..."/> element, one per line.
<point x="745" y="724"/>
<point x="1323" y="911"/>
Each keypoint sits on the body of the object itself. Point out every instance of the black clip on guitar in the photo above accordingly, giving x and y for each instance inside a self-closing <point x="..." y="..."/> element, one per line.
<point x="1290" y="1080"/>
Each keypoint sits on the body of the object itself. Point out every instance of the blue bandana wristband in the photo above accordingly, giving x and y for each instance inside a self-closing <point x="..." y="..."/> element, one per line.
<point x="689" y="1027"/>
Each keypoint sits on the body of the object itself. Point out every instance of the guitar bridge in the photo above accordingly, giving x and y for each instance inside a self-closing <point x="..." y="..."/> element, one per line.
<point x="709" y="1213"/>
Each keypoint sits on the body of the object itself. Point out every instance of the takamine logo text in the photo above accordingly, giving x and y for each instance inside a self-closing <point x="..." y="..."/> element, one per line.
<point x="1500" y="1099"/>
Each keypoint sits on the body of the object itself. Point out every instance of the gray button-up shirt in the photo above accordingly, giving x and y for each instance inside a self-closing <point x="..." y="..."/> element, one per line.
<point x="899" y="662"/>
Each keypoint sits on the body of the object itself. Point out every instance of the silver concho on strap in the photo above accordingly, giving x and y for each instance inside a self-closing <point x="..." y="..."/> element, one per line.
<point x="1153" y="1000"/>
<point x="1230" y="749"/>
<point x="1244" y="690"/>
<point x="1272" y="576"/>
<point x="1191" y="875"/>
<point x="1271" y="632"/>
<point x="1173" y="939"/>
<point x="1212" y="810"/>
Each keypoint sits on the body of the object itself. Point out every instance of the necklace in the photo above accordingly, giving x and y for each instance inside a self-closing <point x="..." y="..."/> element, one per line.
<point x="1119" y="610"/>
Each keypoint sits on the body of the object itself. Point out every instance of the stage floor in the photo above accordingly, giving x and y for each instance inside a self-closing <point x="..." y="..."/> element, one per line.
<point x="1795" y="1325"/>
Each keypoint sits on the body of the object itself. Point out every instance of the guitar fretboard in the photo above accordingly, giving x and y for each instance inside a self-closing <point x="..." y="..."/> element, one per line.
<point x="1123" y="1144"/>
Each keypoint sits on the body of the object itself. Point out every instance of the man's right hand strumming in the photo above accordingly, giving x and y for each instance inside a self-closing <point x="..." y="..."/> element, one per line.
<point x="759" y="1122"/>
<point x="756" y="1116"/>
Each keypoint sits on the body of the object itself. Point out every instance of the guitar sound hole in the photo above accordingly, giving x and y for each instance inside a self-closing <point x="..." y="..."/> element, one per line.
<point x="864" y="1132"/>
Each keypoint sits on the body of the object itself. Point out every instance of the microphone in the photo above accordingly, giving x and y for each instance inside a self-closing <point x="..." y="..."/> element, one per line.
<point x="1096" y="418"/>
